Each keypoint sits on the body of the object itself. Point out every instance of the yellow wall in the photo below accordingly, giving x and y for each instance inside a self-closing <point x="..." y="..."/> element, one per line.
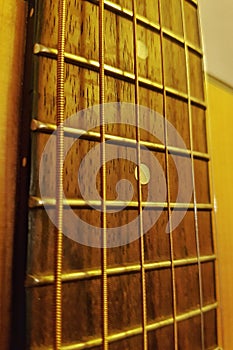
<point x="220" y="103"/>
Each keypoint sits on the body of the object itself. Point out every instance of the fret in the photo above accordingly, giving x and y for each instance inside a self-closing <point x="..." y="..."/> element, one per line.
<point x="33" y="280"/>
<point x="80" y="61"/>
<point x="136" y="331"/>
<point x="36" y="202"/>
<point x="42" y="127"/>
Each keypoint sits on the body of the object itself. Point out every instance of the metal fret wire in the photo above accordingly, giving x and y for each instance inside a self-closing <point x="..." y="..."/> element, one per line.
<point x="42" y="127"/>
<point x="175" y="327"/>
<point x="193" y="174"/>
<point x="59" y="177"/>
<point x="44" y="51"/>
<point x="36" y="202"/>
<point x="90" y="343"/>
<point x="34" y="280"/>
<point x="143" y="277"/>
<point x="103" y="178"/>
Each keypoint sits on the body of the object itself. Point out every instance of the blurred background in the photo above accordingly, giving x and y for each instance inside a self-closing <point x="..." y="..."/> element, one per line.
<point x="217" y="28"/>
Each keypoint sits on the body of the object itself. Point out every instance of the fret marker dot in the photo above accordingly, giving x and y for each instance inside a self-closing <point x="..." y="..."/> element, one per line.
<point x="142" y="50"/>
<point x="144" y="174"/>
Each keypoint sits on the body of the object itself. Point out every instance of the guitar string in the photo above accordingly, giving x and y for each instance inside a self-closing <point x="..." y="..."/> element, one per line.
<point x="187" y="64"/>
<point x="59" y="176"/>
<point x="104" y="281"/>
<point x="173" y="279"/>
<point x="142" y="258"/>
